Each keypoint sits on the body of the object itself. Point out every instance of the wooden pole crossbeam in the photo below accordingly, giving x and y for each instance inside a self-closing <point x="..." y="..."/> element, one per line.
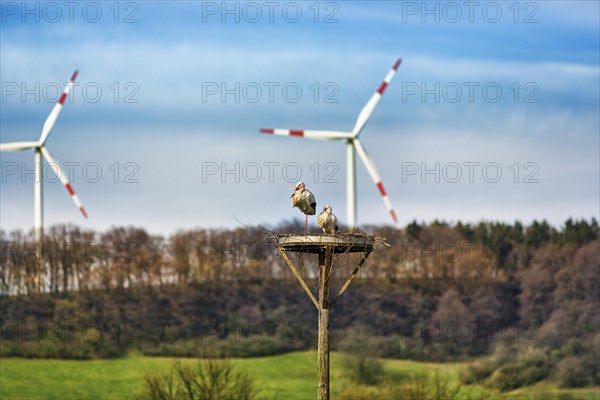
<point x="306" y="289"/>
<point x="350" y="278"/>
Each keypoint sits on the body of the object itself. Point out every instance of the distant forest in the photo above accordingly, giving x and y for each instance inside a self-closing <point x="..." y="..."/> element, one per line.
<point x="524" y="300"/>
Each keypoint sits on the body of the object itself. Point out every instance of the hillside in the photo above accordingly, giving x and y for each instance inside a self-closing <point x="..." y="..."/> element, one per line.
<point x="525" y="297"/>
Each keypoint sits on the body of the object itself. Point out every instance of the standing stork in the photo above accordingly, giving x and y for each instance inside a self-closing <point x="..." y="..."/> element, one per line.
<point x="327" y="221"/>
<point x="305" y="201"/>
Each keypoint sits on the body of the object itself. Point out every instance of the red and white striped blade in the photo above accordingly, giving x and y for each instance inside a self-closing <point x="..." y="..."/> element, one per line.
<point x="49" y="124"/>
<point x="18" y="146"/>
<point x="367" y="110"/>
<point x="322" y="135"/>
<point x="63" y="179"/>
<point x="370" y="165"/>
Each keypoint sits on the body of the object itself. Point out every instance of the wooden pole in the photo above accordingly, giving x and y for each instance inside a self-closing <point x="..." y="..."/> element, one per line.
<point x="325" y="263"/>
<point x="325" y="246"/>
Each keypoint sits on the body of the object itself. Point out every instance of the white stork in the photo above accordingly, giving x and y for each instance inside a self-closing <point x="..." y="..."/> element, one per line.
<point x="327" y="221"/>
<point x="305" y="201"/>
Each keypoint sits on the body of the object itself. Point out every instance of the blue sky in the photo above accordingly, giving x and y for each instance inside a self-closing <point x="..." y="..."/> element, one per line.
<point x="169" y="91"/>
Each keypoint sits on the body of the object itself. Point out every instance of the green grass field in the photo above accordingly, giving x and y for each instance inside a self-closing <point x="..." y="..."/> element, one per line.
<point x="289" y="376"/>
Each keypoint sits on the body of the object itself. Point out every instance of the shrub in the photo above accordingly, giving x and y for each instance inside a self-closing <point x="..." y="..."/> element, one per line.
<point x="571" y="373"/>
<point x="361" y="393"/>
<point x="209" y="379"/>
<point x="505" y="378"/>
<point x="477" y="372"/>
<point x="363" y="370"/>
<point x="515" y="375"/>
<point x="416" y="387"/>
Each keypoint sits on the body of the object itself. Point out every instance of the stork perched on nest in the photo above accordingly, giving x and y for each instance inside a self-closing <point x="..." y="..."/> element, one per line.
<point x="327" y="221"/>
<point x="305" y="201"/>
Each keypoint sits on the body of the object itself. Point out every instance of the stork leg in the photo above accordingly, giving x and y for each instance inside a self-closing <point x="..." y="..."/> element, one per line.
<point x="305" y="224"/>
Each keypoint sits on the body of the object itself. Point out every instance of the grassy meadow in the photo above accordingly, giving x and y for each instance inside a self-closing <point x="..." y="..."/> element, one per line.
<point x="289" y="376"/>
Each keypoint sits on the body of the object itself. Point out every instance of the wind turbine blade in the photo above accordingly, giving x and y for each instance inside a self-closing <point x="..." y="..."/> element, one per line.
<point x="367" y="110"/>
<point x="370" y="165"/>
<point x="18" y="146"/>
<point x="322" y="135"/>
<point x="63" y="179"/>
<point x="49" y="124"/>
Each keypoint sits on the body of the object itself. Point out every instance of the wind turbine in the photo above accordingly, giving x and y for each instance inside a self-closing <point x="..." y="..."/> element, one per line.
<point x="40" y="150"/>
<point x="353" y="146"/>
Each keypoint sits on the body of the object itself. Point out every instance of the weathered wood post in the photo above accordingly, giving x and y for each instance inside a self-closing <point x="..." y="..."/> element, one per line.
<point x="325" y="265"/>
<point x="326" y="246"/>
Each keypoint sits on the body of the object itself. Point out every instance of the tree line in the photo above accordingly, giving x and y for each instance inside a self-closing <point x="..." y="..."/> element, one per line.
<point x="77" y="259"/>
